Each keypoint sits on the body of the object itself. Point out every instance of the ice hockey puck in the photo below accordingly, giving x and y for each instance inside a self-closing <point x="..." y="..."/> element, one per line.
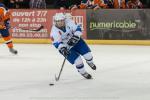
<point x="51" y="84"/>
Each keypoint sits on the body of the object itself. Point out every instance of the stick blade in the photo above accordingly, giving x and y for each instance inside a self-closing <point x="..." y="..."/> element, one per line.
<point x="41" y="27"/>
<point x="56" y="78"/>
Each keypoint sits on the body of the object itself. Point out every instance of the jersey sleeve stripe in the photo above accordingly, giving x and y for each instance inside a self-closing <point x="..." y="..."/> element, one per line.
<point x="56" y="44"/>
<point x="78" y="28"/>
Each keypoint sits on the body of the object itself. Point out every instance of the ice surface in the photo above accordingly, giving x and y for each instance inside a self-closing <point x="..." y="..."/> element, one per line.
<point x="123" y="73"/>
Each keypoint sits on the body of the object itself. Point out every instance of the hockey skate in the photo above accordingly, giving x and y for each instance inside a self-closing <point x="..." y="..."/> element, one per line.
<point x="92" y="65"/>
<point x="13" y="51"/>
<point x="87" y="75"/>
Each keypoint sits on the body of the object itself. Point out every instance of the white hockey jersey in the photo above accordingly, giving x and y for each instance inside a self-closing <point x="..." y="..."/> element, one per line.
<point x="59" y="36"/>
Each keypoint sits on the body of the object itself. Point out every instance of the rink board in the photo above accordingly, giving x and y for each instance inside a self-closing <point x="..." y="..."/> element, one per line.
<point x="109" y="42"/>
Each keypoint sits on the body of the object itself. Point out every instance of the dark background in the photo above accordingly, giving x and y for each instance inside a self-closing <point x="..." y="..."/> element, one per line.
<point x="65" y="3"/>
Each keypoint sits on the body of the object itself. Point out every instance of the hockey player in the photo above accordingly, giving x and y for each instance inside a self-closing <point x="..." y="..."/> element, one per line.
<point x="66" y="37"/>
<point x="4" y="26"/>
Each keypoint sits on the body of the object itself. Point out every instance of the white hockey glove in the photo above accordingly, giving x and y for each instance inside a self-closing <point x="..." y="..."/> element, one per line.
<point x="73" y="40"/>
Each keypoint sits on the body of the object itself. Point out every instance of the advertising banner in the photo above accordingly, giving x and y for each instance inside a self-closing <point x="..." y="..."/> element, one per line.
<point x="112" y="24"/>
<point x="23" y="21"/>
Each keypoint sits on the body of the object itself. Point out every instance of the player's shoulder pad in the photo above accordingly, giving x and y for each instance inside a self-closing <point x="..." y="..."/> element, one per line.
<point x="70" y="23"/>
<point x="3" y="10"/>
<point x="68" y="20"/>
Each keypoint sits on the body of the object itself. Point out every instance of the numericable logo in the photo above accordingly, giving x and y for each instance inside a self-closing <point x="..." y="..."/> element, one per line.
<point x="113" y="25"/>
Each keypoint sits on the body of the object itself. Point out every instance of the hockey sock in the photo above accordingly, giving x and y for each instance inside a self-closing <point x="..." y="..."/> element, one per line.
<point x="8" y="41"/>
<point x="79" y="65"/>
<point x="88" y="57"/>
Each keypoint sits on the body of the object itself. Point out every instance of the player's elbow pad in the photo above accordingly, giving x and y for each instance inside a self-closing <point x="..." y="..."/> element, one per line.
<point x="78" y="33"/>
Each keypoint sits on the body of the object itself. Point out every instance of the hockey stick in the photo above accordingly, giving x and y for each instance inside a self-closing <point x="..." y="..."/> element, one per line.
<point x="58" y="77"/>
<point x="37" y="29"/>
<point x="62" y="66"/>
